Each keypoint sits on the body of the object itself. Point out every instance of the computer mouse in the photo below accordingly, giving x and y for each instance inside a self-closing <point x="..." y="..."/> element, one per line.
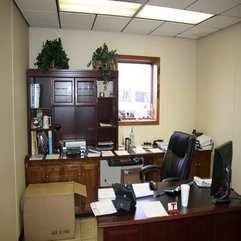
<point x="153" y="186"/>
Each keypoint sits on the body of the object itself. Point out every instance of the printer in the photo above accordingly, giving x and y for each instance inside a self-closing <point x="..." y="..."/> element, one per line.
<point x="74" y="147"/>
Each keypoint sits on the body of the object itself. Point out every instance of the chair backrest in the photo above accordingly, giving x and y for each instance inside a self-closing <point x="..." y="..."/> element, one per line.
<point x="178" y="157"/>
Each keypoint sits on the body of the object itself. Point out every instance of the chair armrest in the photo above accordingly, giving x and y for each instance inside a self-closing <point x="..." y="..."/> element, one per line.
<point x="169" y="179"/>
<point x="147" y="169"/>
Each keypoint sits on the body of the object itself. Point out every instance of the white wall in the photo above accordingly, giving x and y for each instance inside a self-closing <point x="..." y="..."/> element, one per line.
<point x="177" y="75"/>
<point x="219" y="91"/>
<point x="13" y="142"/>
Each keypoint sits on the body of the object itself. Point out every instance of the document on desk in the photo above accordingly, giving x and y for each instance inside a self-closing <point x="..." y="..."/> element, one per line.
<point x="106" y="193"/>
<point x="103" y="207"/>
<point x="142" y="189"/>
<point x="107" y="153"/>
<point x="122" y="152"/>
<point x="139" y="150"/>
<point x="155" y="150"/>
<point x="153" y="209"/>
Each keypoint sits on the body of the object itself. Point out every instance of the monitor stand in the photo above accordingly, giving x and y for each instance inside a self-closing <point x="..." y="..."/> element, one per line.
<point x="220" y="200"/>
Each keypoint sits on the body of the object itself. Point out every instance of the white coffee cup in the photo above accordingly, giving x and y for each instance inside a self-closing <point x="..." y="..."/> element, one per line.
<point x="185" y="189"/>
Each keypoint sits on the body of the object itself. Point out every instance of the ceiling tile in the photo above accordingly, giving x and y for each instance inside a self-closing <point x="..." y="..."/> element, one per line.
<point x="220" y="21"/>
<point x="43" y="13"/>
<point x="41" y="19"/>
<point x="234" y="12"/>
<point x="43" y="5"/>
<point x="197" y="32"/>
<point x="180" y="4"/>
<point x="172" y="29"/>
<point x="213" y="6"/>
<point x="76" y="20"/>
<point x="110" y="23"/>
<point x="134" y="1"/>
<point x="142" y="26"/>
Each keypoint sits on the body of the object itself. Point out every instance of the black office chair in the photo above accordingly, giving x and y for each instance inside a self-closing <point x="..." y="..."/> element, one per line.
<point x="177" y="159"/>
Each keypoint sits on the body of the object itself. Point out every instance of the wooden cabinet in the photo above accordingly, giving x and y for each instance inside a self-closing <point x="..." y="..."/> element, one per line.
<point x="175" y="230"/>
<point x="84" y="171"/>
<point x="70" y="99"/>
<point x="201" y="164"/>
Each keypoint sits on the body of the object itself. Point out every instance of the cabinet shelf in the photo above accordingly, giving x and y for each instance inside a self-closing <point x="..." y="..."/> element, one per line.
<point x="41" y="129"/>
<point x="106" y="127"/>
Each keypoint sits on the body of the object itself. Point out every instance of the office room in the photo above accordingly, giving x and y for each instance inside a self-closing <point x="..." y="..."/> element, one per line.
<point x="200" y="88"/>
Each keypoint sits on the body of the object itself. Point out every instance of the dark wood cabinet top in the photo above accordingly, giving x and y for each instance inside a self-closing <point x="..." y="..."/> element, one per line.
<point x="200" y="204"/>
<point x="68" y="72"/>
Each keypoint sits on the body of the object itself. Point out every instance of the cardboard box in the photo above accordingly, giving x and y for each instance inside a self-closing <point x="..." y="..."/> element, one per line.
<point x="130" y="175"/>
<point x="49" y="212"/>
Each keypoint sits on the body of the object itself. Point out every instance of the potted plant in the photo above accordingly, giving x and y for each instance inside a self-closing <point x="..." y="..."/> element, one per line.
<point x="104" y="60"/>
<point x="52" y="56"/>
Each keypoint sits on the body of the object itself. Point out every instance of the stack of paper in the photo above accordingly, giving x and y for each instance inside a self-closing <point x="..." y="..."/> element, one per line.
<point x="203" y="182"/>
<point x="106" y="193"/>
<point x="162" y="144"/>
<point x="103" y="208"/>
<point x="142" y="189"/>
<point x="139" y="150"/>
<point x="204" y="142"/>
<point x="52" y="156"/>
<point x="153" y="209"/>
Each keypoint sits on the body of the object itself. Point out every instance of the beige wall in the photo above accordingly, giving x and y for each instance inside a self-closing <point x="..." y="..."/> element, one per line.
<point x="219" y="91"/>
<point x="13" y="142"/>
<point x="177" y="75"/>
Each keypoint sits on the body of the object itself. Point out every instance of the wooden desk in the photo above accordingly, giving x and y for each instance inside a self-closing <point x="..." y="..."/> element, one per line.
<point x="201" y="221"/>
<point x="87" y="171"/>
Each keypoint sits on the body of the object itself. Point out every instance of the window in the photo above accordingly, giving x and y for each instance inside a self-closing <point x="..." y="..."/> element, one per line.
<point x="138" y="90"/>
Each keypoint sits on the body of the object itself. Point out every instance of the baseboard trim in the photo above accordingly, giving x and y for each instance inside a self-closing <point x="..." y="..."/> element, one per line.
<point x="21" y="237"/>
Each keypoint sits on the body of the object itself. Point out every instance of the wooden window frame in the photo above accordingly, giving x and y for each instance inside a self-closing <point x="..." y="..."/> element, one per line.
<point x="155" y="62"/>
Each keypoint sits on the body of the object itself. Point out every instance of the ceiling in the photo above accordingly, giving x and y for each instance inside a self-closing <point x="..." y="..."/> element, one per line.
<point x="45" y="13"/>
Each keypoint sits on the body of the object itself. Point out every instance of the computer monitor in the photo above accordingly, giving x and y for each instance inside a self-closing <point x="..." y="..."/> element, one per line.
<point x="221" y="175"/>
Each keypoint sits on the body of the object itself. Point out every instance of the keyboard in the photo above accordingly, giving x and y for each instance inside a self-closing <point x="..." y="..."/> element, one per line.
<point x="177" y="188"/>
<point x="126" y="161"/>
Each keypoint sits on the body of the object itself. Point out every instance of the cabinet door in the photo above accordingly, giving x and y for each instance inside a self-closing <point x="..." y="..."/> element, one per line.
<point x="65" y="116"/>
<point x="54" y="171"/>
<point x="227" y="226"/>
<point x="127" y="233"/>
<point x="189" y="229"/>
<point x="35" y="172"/>
<point x="200" y="164"/>
<point x="154" y="159"/>
<point x="72" y="172"/>
<point x="63" y="91"/>
<point x="85" y="124"/>
<point x="90" y="177"/>
<point x="85" y="91"/>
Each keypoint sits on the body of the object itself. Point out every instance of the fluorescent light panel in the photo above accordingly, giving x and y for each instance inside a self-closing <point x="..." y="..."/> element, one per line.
<point x="171" y="14"/>
<point x="105" y="7"/>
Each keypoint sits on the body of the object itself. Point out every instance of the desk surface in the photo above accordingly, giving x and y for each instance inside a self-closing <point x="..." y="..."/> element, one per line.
<point x="200" y="203"/>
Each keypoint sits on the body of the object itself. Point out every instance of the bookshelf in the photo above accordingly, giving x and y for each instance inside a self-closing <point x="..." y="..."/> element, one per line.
<point x="65" y="104"/>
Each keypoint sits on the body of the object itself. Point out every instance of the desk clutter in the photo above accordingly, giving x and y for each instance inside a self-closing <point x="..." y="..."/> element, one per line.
<point x="204" y="142"/>
<point x="123" y="198"/>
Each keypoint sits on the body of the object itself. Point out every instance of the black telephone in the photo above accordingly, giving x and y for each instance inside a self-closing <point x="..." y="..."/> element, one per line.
<point x="125" y="197"/>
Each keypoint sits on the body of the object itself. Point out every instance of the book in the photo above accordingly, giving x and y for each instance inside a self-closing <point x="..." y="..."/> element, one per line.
<point x="34" y="143"/>
<point x="34" y="95"/>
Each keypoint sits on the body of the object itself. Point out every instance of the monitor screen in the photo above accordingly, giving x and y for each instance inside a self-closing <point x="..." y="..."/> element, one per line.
<point x="221" y="176"/>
